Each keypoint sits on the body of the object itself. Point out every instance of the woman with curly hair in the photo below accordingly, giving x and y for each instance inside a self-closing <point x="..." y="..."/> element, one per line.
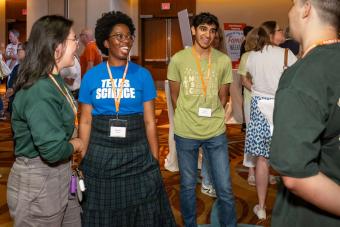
<point x="118" y="128"/>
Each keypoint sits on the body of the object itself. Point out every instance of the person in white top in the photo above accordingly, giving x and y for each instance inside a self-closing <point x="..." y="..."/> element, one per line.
<point x="72" y="77"/>
<point x="11" y="54"/>
<point x="265" y="65"/>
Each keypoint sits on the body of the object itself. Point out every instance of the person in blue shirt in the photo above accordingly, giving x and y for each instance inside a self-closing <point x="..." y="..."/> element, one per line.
<point x="118" y="128"/>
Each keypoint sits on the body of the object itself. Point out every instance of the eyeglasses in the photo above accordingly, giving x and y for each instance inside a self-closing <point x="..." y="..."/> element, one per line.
<point x="75" y="39"/>
<point x="121" y="37"/>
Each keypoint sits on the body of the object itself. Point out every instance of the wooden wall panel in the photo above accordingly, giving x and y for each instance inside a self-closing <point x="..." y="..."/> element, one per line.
<point x="176" y="39"/>
<point x="154" y="39"/>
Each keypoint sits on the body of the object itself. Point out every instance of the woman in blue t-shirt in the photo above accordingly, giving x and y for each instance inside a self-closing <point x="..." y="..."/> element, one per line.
<point x="118" y="127"/>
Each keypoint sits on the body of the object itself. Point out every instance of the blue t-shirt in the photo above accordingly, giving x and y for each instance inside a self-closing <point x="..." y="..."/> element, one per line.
<point x="96" y="89"/>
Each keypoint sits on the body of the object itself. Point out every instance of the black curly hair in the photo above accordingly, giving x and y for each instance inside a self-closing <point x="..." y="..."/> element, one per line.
<point x="105" y="25"/>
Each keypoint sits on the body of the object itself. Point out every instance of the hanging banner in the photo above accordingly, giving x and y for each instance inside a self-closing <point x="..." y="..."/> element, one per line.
<point x="184" y="25"/>
<point x="233" y="33"/>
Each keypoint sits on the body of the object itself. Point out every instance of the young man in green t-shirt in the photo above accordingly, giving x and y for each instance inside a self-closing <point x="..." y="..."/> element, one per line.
<point x="199" y="80"/>
<point x="305" y="147"/>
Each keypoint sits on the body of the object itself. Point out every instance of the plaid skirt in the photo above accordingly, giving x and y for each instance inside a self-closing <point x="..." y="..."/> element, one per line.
<point x="123" y="182"/>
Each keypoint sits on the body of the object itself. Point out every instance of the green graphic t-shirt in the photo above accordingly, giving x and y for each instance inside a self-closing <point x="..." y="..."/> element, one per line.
<point x="183" y="69"/>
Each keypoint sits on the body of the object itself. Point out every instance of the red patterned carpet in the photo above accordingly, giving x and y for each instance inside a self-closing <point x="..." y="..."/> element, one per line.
<point x="245" y="195"/>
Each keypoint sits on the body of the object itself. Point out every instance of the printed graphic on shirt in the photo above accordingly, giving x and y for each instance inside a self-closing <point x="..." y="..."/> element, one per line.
<point x="192" y="83"/>
<point x="106" y="91"/>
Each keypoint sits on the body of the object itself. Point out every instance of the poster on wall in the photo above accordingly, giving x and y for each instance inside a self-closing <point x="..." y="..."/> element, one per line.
<point x="233" y="34"/>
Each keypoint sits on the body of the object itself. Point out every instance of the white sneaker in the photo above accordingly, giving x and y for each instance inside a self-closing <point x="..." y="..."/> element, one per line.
<point x="260" y="213"/>
<point x="208" y="190"/>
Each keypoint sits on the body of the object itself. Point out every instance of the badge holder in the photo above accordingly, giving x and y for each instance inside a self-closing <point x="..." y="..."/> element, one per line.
<point x="204" y="111"/>
<point x="117" y="128"/>
<point x="77" y="184"/>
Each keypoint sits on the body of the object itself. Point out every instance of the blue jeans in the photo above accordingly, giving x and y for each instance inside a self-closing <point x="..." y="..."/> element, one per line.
<point x="206" y="173"/>
<point x="215" y="151"/>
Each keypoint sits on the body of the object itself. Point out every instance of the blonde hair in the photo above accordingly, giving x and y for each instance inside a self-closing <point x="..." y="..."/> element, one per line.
<point x="252" y="40"/>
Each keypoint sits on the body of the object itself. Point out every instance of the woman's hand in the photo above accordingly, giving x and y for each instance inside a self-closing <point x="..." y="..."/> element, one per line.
<point x="78" y="146"/>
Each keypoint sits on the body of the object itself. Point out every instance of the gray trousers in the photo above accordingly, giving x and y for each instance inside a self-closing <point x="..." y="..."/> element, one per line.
<point x="38" y="194"/>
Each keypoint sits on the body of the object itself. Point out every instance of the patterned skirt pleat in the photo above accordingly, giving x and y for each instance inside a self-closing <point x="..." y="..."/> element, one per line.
<point x="123" y="182"/>
<point x="258" y="136"/>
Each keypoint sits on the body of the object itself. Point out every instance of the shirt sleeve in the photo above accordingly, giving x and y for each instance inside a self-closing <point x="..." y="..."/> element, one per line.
<point x="227" y="76"/>
<point x="173" y="71"/>
<point x="84" y="91"/>
<point x="149" y="90"/>
<point x="242" y="69"/>
<point x="298" y="123"/>
<point x="46" y="125"/>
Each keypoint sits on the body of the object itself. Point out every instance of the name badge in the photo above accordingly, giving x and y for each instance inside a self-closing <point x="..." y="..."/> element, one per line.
<point x="118" y="128"/>
<point x="204" y="112"/>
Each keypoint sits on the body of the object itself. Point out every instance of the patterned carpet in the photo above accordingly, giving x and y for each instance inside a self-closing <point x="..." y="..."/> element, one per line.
<point x="245" y="195"/>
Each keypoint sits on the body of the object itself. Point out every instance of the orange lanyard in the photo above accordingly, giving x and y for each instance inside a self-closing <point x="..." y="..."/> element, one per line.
<point x="114" y="89"/>
<point x="320" y="43"/>
<point x="68" y="97"/>
<point x="199" y="69"/>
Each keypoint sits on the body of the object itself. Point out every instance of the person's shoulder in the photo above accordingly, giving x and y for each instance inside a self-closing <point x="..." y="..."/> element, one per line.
<point x="274" y="49"/>
<point x="182" y="53"/>
<point x="252" y="55"/>
<point x="312" y="74"/>
<point x="40" y="89"/>
<point x="322" y="63"/>
<point x="95" y="71"/>
<point x="15" y="69"/>
<point x="245" y="55"/>
<point x="90" y="45"/>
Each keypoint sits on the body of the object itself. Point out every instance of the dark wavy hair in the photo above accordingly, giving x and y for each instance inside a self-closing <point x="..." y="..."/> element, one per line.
<point x="105" y="25"/>
<point x="205" y="18"/>
<point x="46" y="34"/>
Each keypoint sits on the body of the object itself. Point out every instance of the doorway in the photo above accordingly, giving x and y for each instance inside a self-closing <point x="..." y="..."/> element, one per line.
<point x="161" y="39"/>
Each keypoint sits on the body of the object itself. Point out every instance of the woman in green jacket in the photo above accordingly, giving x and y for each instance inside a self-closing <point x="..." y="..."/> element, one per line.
<point x="43" y="121"/>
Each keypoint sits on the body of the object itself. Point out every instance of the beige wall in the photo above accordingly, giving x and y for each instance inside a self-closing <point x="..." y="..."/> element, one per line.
<point x="130" y="7"/>
<point x="35" y="10"/>
<point x="56" y="7"/>
<point x="85" y="13"/>
<point x="252" y="12"/>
